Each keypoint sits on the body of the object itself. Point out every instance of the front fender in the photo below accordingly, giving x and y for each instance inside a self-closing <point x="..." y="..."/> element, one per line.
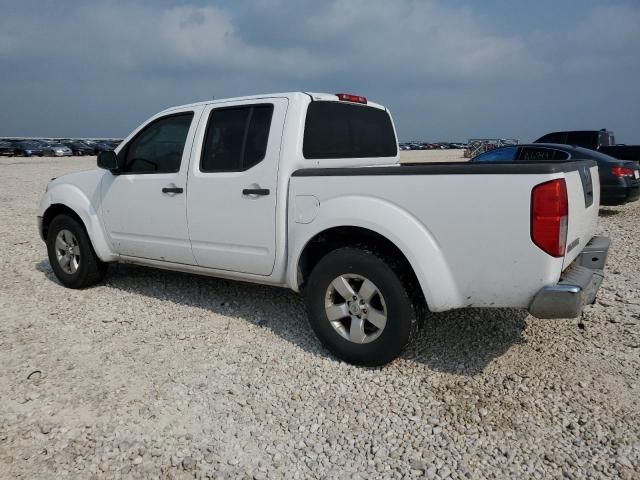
<point x="394" y="223"/>
<point x="74" y="198"/>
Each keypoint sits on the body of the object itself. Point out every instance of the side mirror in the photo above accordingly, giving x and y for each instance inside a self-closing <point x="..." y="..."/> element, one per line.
<point x="108" y="160"/>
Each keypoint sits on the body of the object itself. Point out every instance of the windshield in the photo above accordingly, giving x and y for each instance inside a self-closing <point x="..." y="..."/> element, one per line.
<point x="505" y="154"/>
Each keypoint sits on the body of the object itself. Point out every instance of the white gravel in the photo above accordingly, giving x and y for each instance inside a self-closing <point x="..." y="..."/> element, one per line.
<point x="165" y="375"/>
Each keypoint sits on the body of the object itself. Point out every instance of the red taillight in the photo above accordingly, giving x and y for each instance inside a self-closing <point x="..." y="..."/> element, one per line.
<point x="622" y="172"/>
<point x="550" y="216"/>
<point x="346" y="97"/>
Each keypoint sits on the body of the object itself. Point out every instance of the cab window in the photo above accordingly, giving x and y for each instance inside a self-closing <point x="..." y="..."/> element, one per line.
<point x="585" y="139"/>
<point x="556" y="137"/>
<point x="158" y="147"/>
<point x="236" y="138"/>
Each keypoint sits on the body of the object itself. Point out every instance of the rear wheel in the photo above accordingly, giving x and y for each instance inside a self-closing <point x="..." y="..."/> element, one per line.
<point x="359" y="306"/>
<point x="71" y="254"/>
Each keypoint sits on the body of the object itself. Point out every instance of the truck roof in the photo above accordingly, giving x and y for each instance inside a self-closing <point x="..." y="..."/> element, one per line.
<point x="315" y="96"/>
<point x="579" y="131"/>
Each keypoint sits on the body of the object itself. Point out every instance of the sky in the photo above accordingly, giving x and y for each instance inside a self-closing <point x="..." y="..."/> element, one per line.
<point x="447" y="70"/>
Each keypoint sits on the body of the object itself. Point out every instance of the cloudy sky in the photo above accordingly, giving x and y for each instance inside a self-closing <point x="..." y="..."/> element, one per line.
<point x="448" y="70"/>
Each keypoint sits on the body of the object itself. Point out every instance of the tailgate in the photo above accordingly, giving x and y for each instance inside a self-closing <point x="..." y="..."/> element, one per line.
<point x="583" y="191"/>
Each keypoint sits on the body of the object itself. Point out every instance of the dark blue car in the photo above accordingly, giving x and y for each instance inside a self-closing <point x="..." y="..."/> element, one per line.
<point x="619" y="179"/>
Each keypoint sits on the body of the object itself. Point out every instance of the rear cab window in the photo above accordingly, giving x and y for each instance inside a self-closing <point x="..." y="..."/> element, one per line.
<point x="605" y="139"/>
<point x="555" y="137"/>
<point x="585" y="139"/>
<point x="347" y="130"/>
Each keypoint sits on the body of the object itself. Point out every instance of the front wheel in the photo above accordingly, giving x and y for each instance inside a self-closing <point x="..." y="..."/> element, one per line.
<point x="71" y="254"/>
<point x="360" y="307"/>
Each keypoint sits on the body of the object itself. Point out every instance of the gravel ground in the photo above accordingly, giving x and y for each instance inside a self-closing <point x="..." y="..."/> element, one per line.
<point x="164" y="375"/>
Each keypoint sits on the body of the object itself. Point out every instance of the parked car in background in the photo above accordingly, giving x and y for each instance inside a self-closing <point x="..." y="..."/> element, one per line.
<point x="27" y="148"/>
<point x="603" y="141"/>
<point x="306" y="191"/>
<point x="103" y="146"/>
<point x="56" y="150"/>
<point x="79" y="148"/>
<point x="619" y="179"/>
<point x="430" y="146"/>
<point x="6" y="148"/>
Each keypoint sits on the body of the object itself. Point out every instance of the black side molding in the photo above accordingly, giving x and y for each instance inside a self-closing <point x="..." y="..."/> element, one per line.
<point x="450" y="168"/>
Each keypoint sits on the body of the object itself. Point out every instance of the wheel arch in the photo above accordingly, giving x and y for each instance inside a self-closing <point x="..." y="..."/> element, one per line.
<point x="336" y="237"/>
<point x="77" y="206"/>
<point x="384" y="222"/>
<point x="58" y="209"/>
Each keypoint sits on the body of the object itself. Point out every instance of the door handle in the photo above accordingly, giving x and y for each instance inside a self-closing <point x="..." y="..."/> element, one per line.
<point x="172" y="190"/>
<point x="255" y="191"/>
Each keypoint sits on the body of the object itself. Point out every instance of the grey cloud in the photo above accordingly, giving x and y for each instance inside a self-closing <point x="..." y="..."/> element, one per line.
<point x="103" y="67"/>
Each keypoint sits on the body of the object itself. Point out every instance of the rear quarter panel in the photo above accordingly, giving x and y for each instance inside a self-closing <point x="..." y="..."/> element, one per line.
<point x="466" y="236"/>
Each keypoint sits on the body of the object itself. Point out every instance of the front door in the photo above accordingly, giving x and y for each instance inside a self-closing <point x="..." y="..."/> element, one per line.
<point x="231" y="200"/>
<point x="145" y="206"/>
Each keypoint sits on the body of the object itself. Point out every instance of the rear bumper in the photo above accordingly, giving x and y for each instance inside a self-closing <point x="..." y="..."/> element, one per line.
<point x="578" y="285"/>
<point x="619" y="194"/>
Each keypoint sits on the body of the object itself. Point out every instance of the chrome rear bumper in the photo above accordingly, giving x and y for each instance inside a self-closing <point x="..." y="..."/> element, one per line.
<point x="578" y="285"/>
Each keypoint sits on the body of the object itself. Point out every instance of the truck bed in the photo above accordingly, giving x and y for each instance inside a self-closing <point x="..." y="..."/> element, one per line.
<point x="470" y="237"/>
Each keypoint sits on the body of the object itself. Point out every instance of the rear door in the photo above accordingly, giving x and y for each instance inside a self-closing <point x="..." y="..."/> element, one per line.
<point x="231" y="199"/>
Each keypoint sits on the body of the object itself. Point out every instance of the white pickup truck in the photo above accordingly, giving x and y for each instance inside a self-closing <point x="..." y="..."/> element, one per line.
<point x="305" y="191"/>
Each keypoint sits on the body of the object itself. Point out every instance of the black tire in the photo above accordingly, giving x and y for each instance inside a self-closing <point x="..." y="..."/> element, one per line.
<point x="402" y="314"/>
<point x="90" y="269"/>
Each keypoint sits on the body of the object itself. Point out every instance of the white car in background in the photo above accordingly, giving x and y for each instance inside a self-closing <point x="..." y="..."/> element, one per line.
<point x="56" y="150"/>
